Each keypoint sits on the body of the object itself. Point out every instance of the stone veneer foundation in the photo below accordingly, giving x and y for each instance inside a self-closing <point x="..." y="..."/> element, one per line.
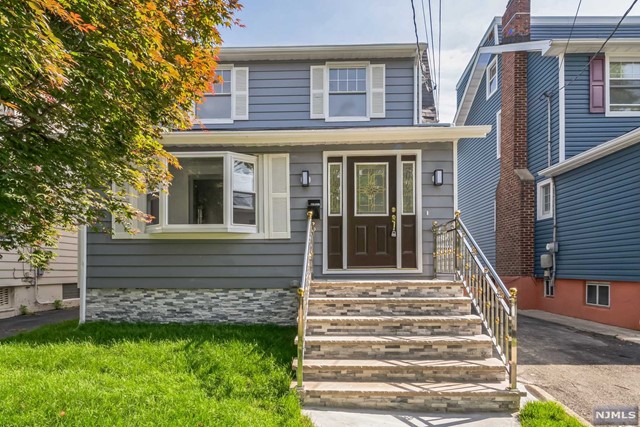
<point x="276" y="306"/>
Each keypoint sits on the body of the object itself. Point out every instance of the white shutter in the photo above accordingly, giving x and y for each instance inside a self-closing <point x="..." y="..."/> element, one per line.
<point x="240" y="82"/>
<point x="317" y="92"/>
<point x="277" y="203"/>
<point x="377" y="89"/>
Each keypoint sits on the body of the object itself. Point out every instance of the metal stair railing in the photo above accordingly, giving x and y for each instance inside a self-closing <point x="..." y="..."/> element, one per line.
<point x="457" y="253"/>
<point x="303" y="297"/>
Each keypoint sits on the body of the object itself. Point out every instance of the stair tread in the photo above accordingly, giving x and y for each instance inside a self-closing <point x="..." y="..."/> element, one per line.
<point x="466" y="318"/>
<point x="438" y="388"/>
<point x="490" y="363"/>
<point x="434" y="282"/>
<point x="389" y="299"/>
<point x="390" y="339"/>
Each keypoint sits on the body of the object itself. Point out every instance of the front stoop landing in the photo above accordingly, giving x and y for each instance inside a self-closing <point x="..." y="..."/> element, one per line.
<point x="409" y="345"/>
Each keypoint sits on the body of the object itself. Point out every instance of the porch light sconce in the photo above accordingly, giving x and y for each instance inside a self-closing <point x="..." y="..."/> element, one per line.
<point x="438" y="177"/>
<point x="305" y="178"/>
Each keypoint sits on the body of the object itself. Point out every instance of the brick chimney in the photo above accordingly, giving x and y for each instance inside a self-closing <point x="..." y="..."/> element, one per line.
<point x="515" y="205"/>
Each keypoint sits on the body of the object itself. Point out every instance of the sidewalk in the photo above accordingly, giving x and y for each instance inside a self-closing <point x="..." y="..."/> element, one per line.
<point x="15" y="325"/>
<point x="584" y="325"/>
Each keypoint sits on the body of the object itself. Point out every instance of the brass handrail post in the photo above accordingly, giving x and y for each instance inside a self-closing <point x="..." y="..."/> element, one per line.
<point x="456" y="240"/>
<point x="513" y="341"/>
<point x="434" y="229"/>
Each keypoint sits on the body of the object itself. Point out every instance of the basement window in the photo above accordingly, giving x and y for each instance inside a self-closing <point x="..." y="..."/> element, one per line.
<point x="598" y="294"/>
<point x="549" y="288"/>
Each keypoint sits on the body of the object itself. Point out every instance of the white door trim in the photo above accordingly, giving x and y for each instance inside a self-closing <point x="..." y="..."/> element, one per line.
<point x="418" y="207"/>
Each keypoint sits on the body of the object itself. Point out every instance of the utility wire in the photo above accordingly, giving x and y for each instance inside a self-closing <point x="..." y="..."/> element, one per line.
<point x="433" y="54"/>
<point x="430" y="58"/>
<point x="439" y="56"/>
<point x="601" y="47"/>
<point x="573" y="25"/>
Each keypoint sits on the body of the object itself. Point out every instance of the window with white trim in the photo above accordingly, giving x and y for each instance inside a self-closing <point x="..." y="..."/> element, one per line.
<point x="598" y="294"/>
<point x="491" y="77"/>
<point x="624" y="86"/>
<point x="228" y="99"/>
<point x="347" y="91"/>
<point x="498" y="125"/>
<point x="545" y="199"/>
<point x="218" y="194"/>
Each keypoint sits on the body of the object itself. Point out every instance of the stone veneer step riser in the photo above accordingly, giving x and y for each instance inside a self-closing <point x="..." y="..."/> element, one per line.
<point x="427" y="403"/>
<point x="330" y="308"/>
<point x="405" y="375"/>
<point x="332" y="350"/>
<point x="360" y="291"/>
<point x="396" y="328"/>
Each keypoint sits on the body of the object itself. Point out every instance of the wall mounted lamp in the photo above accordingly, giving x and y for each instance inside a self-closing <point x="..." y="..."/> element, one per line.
<point x="438" y="177"/>
<point x="305" y="178"/>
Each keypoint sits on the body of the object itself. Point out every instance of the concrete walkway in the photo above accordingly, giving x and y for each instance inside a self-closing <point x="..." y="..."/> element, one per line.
<point x="584" y="325"/>
<point x="15" y="325"/>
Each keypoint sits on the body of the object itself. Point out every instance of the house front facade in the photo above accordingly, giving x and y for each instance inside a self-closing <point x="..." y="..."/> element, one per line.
<point x="552" y="194"/>
<point x="335" y="130"/>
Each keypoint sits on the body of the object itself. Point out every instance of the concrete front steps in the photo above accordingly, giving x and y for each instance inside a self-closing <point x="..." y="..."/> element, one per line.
<point x="411" y="345"/>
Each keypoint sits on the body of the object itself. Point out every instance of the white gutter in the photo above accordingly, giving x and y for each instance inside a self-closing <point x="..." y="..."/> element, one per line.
<point x="82" y="271"/>
<point x="602" y="150"/>
<point x="622" y="45"/>
<point x="310" y="137"/>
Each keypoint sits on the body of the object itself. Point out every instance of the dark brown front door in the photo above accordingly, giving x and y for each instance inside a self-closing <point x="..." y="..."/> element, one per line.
<point x="371" y="212"/>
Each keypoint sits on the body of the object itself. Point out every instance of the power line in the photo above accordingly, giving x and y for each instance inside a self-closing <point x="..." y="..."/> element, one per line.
<point x="433" y="54"/>
<point x="573" y="25"/>
<point x="601" y="47"/>
<point x="439" y="55"/>
<point x="415" y="27"/>
<point x="430" y="58"/>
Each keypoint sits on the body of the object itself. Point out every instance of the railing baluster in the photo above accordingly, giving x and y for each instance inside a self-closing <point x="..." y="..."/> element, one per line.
<point x="303" y="298"/>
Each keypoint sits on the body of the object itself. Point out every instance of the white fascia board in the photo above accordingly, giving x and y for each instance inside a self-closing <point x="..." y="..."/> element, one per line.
<point x="583" y="20"/>
<point x="595" y="153"/>
<point x="482" y="61"/>
<point x="338" y="52"/>
<point x="620" y="46"/>
<point x="538" y="45"/>
<point x="496" y="21"/>
<point x="277" y="138"/>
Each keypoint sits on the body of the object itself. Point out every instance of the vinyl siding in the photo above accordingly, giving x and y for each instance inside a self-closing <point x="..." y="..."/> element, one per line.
<point x="479" y="171"/>
<point x="582" y="31"/>
<point x="279" y="97"/>
<point x="63" y="269"/>
<point x="542" y="77"/>
<point x="598" y="208"/>
<point x="586" y="130"/>
<point x="253" y="263"/>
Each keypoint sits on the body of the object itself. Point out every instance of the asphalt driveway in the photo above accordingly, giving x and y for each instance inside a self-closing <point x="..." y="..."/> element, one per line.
<point x="580" y="369"/>
<point x="18" y="324"/>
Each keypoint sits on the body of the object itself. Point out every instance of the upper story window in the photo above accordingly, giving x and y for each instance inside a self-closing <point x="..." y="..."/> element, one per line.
<point x="545" y="199"/>
<point x="492" y="77"/>
<point x="229" y="99"/>
<point x="624" y="86"/>
<point x="347" y="91"/>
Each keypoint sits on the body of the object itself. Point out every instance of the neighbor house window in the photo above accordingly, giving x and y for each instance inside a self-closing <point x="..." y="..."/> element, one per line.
<point x="598" y="294"/>
<point x="353" y="91"/>
<point x="213" y="191"/>
<point x="492" y="77"/>
<point x="545" y="199"/>
<point x="624" y="86"/>
<point x="228" y="99"/>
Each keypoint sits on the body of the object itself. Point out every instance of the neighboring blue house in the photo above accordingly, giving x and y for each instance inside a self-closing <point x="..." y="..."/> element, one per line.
<point x="341" y="126"/>
<point x="562" y="155"/>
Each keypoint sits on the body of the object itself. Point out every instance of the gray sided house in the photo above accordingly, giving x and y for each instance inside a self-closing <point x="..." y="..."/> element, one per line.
<point x="552" y="194"/>
<point x="336" y="129"/>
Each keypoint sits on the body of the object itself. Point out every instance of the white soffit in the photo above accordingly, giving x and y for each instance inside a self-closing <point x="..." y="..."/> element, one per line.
<point x="348" y="136"/>
<point x="630" y="46"/>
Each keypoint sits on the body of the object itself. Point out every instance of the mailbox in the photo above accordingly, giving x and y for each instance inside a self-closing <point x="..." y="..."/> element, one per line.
<point x="314" y="206"/>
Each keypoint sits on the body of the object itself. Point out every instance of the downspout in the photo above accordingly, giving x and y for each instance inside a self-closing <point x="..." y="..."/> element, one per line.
<point x="82" y="272"/>
<point x="548" y="95"/>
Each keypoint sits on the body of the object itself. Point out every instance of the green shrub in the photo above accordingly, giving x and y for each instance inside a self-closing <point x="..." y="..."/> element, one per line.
<point x="57" y="304"/>
<point x="24" y="310"/>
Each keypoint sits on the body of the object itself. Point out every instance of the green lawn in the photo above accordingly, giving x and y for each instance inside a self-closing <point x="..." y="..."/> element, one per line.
<point x="546" y="414"/>
<point x="104" y="374"/>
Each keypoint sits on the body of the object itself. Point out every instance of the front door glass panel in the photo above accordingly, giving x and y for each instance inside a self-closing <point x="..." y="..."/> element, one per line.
<point x="371" y="188"/>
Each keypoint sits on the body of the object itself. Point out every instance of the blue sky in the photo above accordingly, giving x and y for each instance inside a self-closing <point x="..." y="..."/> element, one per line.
<point x="301" y="22"/>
